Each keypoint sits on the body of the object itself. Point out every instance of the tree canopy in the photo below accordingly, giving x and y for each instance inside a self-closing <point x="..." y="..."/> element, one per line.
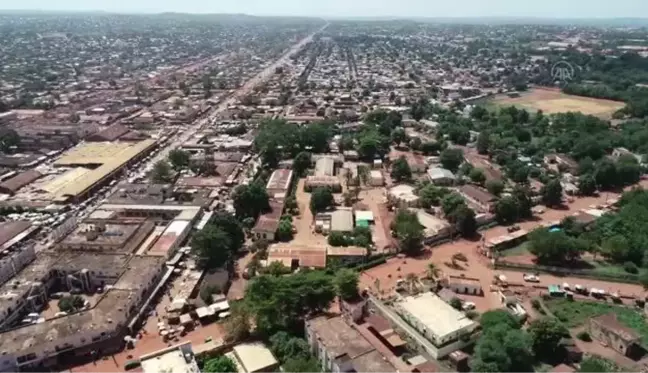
<point x="346" y="283"/>
<point x="321" y="199"/>
<point x="401" y="170"/>
<point x="409" y="231"/>
<point x="250" y="200"/>
<point x="451" y="159"/>
<point x="282" y="303"/>
<point x="179" y="159"/>
<point x="220" y="364"/>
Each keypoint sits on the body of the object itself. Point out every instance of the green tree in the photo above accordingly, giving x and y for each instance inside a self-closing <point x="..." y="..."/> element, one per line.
<point x="301" y="163"/>
<point x="546" y="334"/>
<point x="495" y="187"/>
<point x="552" y="193"/>
<point x="401" y="170"/>
<point x="321" y="199"/>
<point x="491" y="319"/>
<point x="483" y="142"/>
<point x="477" y="176"/>
<point x="451" y="159"/>
<point x="284" y="230"/>
<point x="587" y="185"/>
<point x="250" y="200"/>
<point x="282" y="303"/>
<point x="451" y="202"/>
<point x="213" y="247"/>
<point x="555" y="247"/>
<point x="430" y="195"/>
<point x="643" y="279"/>
<point x="398" y="136"/>
<point x="464" y="220"/>
<point x="285" y="346"/>
<point x="305" y="365"/>
<point x="346" y="283"/>
<point x="522" y="196"/>
<point x="456" y="303"/>
<point x="220" y="364"/>
<point x="161" y="173"/>
<point x="179" y="159"/>
<point x="337" y="239"/>
<point x="409" y="231"/>
<point x="506" y="210"/>
<point x="237" y="325"/>
<point x="430" y="147"/>
<point x="594" y="364"/>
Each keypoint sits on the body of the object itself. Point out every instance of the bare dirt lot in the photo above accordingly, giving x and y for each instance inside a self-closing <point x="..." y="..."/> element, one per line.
<point x="552" y="101"/>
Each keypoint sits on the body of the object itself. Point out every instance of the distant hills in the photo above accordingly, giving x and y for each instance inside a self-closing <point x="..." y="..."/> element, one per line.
<point x="609" y="22"/>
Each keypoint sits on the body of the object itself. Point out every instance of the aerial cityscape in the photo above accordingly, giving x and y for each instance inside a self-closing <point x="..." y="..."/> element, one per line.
<point x="248" y="193"/>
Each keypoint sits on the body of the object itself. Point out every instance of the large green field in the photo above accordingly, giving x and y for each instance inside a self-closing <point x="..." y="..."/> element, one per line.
<point x="576" y="313"/>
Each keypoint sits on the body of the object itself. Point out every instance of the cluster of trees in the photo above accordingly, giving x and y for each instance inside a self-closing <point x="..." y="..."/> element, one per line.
<point x="509" y="209"/>
<point x="619" y="237"/>
<point x="401" y="170"/>
<point x="250" y="200"/>
<point x="458" y="213"/>
<point x="218" y="243"/>
<point x="430" y="194"/>
<point x="615" y="79"/>
<point x="509" y="133"/>
<point x="179" y="159"/>
<point x="409" y="232"/>
<point x="161" y="172"/>
<point x="321" y="199"/>
<point x="294" y="353"/>
<point x="281" y="303"/>
<point x="361" y="236"/>
<point x="278" y="139"/>
<point x="220" y="364"/>
<point x="505" y="347"/>
<point x="608" y="174"/>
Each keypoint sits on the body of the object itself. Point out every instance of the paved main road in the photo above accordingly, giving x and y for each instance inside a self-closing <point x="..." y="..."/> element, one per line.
<point x="231" y="99"/>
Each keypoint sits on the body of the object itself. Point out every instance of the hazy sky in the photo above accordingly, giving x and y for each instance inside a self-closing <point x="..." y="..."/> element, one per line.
<point x="356" y="8"/>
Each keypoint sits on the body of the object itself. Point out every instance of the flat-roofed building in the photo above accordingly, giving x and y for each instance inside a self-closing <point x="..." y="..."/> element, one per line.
<point x="435" y="228"/>
<point x="403" y="195"/>
<point x="279" y="183"/>
<point x="341" y="348"/>
<point x="445" y="327"/>
<point x="325" y="166"/>
<point x="174" y="359"/>
<point x="11" y="186"/>
<point x="255" y="357"/>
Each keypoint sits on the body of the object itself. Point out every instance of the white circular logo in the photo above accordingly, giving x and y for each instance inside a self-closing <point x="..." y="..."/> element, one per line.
<point x="562" y="71"/>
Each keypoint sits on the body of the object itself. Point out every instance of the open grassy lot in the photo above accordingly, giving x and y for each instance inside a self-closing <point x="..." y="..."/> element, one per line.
<point x="521" y="249"/>
<point x="576" y="313"/>
<point x="552" y="101"/>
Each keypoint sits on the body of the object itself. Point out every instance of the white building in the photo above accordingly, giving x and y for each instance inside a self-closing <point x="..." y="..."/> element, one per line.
<point x="440" y="176"/>
<point x="437" y="321"/>
<point x="403" y="195"/>
<point x="174" y="359"/>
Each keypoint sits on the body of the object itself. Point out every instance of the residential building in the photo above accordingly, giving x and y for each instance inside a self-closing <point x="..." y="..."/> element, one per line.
<point x="446" y="328"/>
<point x="341" y="348"/>
<point x="479" y="197"/>
<point x="174" y="359"/>
<point x="610" y="331"/>
<point x="403" y="195"/>
<point x="440" y="176"/>
<point x="254" y="357"/>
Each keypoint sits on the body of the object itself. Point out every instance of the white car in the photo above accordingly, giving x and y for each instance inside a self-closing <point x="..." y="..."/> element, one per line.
<point x="530" y="278"/>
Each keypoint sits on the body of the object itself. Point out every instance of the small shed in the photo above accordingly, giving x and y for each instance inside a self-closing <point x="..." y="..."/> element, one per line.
<point x="185" y="319"/>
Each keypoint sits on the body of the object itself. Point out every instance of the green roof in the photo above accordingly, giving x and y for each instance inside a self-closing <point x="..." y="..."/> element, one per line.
<point x="362" y="223"/>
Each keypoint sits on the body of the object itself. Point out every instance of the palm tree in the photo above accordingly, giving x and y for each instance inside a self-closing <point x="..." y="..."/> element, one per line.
<point x="433" y="271"/>
<point x="411" y="279"/>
